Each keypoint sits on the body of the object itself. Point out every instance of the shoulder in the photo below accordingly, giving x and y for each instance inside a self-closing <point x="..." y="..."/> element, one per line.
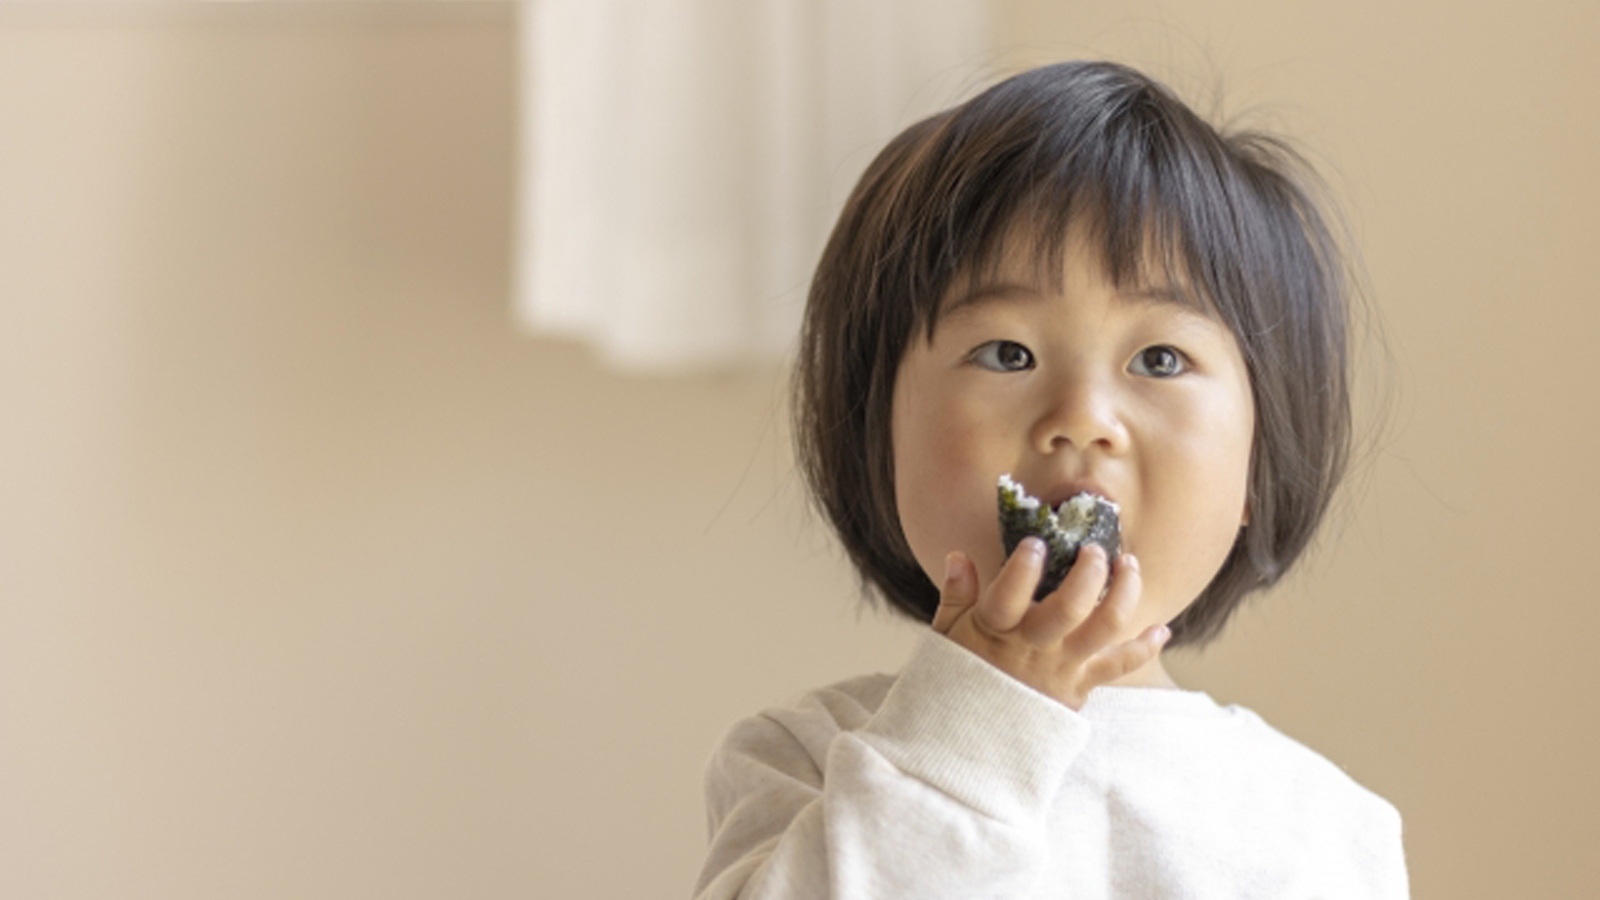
<point x="1311" y="780"/>
<point x="797" y="731"/>
<point x="847" y="704"/>
<point x="1349" y="831"/>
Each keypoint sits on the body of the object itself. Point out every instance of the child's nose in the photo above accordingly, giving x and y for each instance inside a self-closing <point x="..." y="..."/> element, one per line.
<point x="1081" y="411"/>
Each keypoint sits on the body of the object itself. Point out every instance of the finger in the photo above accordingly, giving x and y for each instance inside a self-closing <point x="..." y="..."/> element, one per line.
<point x="1126" y="658"/>
<point x="957" y="594"/>
<point x="1001" y="607"/>
<point x="1070" y="604"/>
<point x="1104" y="623"/>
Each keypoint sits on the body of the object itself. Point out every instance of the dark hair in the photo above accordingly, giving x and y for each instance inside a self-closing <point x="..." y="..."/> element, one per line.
<point x="1232" y="215"/>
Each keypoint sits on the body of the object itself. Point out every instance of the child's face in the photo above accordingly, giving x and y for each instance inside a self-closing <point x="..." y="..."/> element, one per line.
<point x="1150" y="401"/>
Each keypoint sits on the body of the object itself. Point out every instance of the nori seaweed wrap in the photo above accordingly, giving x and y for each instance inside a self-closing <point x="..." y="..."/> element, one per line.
<point x="1083" y="519"/>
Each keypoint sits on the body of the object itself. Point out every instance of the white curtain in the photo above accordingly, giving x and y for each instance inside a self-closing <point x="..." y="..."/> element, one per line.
<point x="682" y="160"/>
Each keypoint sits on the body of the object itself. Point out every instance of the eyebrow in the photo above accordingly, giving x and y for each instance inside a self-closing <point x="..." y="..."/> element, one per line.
<point x="988" y="294"/>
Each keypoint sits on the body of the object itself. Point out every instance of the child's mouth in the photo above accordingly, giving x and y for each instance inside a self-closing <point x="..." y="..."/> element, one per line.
<point x="1084" y="518"/>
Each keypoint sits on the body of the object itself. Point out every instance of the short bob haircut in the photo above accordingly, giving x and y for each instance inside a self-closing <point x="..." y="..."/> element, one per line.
<point x="1231" y="218"/>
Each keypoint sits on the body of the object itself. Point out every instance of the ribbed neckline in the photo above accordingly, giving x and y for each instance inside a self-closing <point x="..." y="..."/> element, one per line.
<point x="1111" y="702"/>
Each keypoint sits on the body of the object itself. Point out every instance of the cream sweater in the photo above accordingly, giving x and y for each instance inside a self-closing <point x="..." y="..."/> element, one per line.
<point x="954" y="780"/>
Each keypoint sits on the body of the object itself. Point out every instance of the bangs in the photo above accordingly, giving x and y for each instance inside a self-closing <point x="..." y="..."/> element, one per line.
<point x="1019" y="165"/>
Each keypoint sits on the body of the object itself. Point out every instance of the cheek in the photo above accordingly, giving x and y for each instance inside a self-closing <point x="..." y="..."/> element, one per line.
<point x="940" y="487"/>
<point x="1195" y="498"/>
<point x="1219" y="453"/>
<point x="928" y="467"/>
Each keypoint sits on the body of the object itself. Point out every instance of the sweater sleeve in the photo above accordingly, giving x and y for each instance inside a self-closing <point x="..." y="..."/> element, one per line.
<point x="942" y="793"/>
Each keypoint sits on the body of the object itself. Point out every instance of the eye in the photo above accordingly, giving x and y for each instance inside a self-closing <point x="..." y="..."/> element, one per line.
<point x="1003" y="356"/>
<point x="1160" y="361"/>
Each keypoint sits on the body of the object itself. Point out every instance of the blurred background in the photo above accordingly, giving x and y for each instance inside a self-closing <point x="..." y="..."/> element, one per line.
<point x="339" y="559"/>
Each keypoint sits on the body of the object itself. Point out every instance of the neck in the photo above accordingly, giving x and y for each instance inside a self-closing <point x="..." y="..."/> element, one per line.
<point x="1152" y="674"/>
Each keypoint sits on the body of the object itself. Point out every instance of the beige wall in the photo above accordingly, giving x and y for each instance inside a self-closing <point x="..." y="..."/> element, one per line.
<point x="316" y="580"/>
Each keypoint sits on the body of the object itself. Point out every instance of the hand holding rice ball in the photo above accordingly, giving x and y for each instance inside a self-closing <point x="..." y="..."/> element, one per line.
<point x="1057" y="629"/>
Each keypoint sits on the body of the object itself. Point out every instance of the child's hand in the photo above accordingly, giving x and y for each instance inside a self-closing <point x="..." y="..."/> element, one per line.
<point x="1060" y="646"/>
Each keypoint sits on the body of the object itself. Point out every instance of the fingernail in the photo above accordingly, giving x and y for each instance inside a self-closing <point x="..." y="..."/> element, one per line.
<point x="1162" y="634"/>
<point x="1131" y="560"/>
<point x="952" y="565"/>
<point x="1035" y="546"/>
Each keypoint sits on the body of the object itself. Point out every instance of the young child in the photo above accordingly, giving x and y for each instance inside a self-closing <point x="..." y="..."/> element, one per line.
<point x="1074" y="281"/>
